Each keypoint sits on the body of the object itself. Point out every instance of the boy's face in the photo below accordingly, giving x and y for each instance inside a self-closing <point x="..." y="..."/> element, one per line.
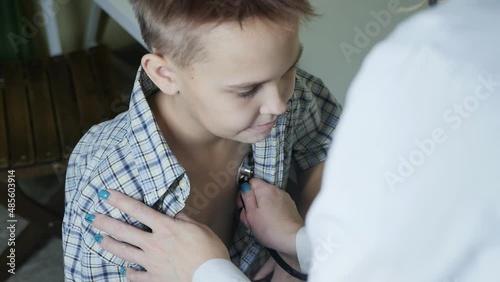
<point x="243" y="85"/>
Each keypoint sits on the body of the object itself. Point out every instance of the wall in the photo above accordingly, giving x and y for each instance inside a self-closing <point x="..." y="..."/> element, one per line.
<point x="72" y="16"/>
<point x="336" y="43"/>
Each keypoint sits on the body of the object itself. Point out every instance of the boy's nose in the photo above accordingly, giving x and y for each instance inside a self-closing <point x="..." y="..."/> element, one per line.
<point x="274" y="103"/>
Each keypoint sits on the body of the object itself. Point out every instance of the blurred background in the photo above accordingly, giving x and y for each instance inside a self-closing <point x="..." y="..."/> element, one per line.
<point x="33" y="30"/>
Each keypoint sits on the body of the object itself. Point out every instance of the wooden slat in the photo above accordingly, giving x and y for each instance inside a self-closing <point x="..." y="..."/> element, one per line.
<point x="42" y="113"/>
<point x="4" y="152"/>
<point x="57" y="168"/>
<point x="100" y="61"/>
<point x="105" y="76"/>
<point x="85" y="90"/>
<point x="66" y="109"/>
<point x="19" y="133"/>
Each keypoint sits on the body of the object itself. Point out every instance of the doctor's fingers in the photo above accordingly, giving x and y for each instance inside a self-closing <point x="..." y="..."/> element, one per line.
<point x="265" y="270"/>
<point x="136" y="275"/>
<point x="122" y="250"/>
<point x="138" y="210"/>
<point x="265" y="193"/>
<point x="249" y="200"/>
<point x="243" y="218"/>
<point x="121" y="231"/>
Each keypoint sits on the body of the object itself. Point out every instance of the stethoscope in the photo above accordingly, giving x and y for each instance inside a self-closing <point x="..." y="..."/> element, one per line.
<point x="245" y="173"/>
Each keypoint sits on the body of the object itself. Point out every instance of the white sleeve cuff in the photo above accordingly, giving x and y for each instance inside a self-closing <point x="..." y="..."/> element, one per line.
<point x="221" y="270"/>
<point x="304" y="250"/>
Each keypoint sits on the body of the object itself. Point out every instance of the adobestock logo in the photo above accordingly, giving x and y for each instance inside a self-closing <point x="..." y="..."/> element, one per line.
<point x="322" y="251"/>
<point x="455" y="116"/>
<point x="464" y="110"/>
<point x="407" y="166"/>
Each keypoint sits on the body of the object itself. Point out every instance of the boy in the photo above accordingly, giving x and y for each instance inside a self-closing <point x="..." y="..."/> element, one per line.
<point x="221" y="82"/>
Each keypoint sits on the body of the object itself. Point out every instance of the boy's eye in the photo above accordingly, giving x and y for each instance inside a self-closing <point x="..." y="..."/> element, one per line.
<point x="250" y="93"/>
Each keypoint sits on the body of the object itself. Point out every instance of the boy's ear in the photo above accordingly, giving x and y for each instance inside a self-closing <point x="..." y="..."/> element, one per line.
<point x="159" y="70"/>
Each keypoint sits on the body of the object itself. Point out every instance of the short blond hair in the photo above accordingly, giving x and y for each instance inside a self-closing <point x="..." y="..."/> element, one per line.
<point x="175" y="27"/>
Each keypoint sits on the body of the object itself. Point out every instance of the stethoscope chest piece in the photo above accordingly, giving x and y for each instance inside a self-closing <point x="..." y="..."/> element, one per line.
<point x="245" y="171"/>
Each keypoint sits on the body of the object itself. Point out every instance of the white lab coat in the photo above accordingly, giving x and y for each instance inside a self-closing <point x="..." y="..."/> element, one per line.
<point x="411" y="189"/>
<point x="412" y="186"/>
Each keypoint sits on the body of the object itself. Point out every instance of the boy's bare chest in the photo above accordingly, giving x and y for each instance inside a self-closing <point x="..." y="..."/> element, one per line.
<point x="212" y="192"/>
<point x="212" y="198"/>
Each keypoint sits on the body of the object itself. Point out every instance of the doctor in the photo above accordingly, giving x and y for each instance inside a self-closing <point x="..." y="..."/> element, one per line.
<point x="411" y="190"/>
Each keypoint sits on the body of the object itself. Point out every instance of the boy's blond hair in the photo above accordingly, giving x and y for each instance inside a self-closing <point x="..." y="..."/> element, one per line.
<point x="175" y="27"/>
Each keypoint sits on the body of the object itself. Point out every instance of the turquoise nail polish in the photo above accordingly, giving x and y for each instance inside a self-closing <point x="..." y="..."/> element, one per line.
<point x="103" y="194"/>
<point x="123" y="271"/>
<point x="245" y="187"/>
<point x="98" y="238"/>
<point x="89" y="218"/>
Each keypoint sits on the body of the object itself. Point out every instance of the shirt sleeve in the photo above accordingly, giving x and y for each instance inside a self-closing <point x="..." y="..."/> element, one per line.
<point x="225" y="271"/>
<point x="220" y="270"/>
<point x="316" y="115"/>
<point x="304" y="251"/>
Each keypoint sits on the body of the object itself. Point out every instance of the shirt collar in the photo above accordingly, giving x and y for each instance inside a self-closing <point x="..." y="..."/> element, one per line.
<point x="157" y="167"/>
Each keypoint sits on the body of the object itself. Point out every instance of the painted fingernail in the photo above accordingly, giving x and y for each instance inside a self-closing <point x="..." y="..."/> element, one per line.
<point x="123" y="271"/>
<point x="103" y="194"/>
<point x="89" y="218"/>
<point x="98" y="238"/>
<point x="245" y="187"/>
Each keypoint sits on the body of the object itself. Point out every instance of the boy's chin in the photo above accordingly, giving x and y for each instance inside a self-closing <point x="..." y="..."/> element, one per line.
<point x="253" y="138"/>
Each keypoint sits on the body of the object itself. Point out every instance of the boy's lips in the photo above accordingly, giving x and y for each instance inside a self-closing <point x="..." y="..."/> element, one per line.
<point x="264" y="127"/>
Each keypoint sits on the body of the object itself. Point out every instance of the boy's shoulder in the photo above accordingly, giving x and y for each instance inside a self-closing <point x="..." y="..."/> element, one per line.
<point x="307" y="77"/>
<point x="308" y="86"/>
<point x="311" y="93"/>
<point x="100" y="141"/>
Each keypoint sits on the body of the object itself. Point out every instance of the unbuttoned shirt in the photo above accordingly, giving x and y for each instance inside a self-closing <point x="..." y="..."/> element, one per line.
<point x="130" y="154"/>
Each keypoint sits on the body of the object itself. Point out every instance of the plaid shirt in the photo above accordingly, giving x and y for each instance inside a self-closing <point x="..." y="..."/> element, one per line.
<point x="130" y="154"/>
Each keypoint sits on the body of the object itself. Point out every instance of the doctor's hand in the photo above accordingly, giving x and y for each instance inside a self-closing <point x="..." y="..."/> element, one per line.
<point x="272" y="216"/>
<point x="167" y="252"/>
